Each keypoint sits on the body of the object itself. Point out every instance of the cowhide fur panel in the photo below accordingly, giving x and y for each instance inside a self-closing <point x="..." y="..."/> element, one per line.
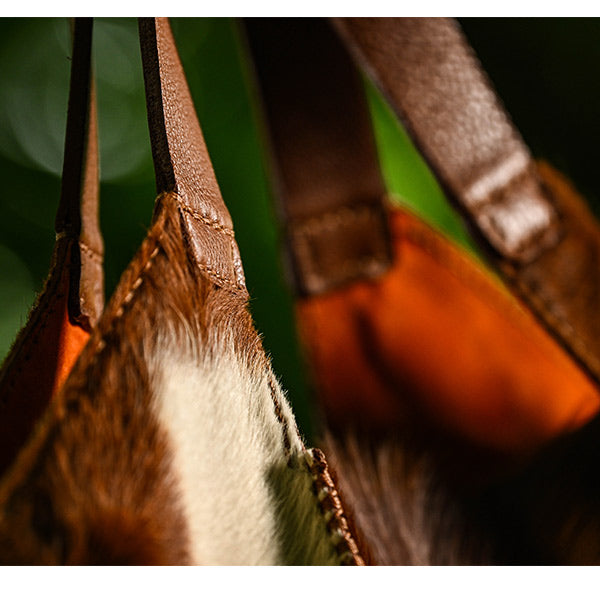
<point x="410" y="505"/>
<point x="404" y="511"/>
<point x="171" y="441"/>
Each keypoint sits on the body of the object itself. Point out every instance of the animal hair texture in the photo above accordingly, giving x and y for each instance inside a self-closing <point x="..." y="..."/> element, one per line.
<point x="171" y="442"/>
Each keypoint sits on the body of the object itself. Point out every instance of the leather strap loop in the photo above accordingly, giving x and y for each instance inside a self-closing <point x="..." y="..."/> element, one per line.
<point x="77" y="214"/>
<point x="544" y="242"/>
<point x="330" y="188"/>
<point x="181" y="161"/>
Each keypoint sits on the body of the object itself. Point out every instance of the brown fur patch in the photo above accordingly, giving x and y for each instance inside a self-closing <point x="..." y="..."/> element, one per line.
<point x="402" y="507"/>
<point x="95" y="484"/>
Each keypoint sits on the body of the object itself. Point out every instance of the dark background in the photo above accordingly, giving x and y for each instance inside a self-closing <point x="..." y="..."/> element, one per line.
<point x="545" y="70"/>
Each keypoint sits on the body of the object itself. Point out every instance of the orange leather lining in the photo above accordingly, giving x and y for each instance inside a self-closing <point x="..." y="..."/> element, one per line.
<point x="437" y="333"/>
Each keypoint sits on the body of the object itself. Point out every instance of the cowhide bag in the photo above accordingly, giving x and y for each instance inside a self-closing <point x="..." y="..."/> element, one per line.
<point x="454" y="414"/>
<point x="460" y="425"/>
<point x="170" y="442"/>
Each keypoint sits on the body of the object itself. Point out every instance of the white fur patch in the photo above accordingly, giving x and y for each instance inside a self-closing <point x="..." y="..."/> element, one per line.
<point x="227" y="441"/>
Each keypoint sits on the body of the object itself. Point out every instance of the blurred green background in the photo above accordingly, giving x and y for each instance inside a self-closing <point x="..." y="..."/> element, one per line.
<point x="544" y="69"/>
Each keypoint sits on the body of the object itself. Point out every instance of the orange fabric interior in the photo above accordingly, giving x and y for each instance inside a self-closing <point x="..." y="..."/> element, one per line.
<point x="440" y="334"/>
<point x="69" y="343"/>
<point x="41" y="366"/>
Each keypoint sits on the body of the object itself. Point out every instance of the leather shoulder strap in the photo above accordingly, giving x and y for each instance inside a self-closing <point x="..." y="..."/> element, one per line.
<point x="545" y="244"/>
<point x="431" y="77"/>
<point x="330" y="189"/>
<point x="181" y="161"/>
<point x="77" y="214"/>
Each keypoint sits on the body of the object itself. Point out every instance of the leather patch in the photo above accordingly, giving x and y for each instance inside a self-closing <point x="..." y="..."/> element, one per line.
<point x="339" y="247"/>
<point x="181" y="160"/>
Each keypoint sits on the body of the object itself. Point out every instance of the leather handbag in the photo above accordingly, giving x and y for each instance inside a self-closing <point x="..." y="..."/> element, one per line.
<point x="170" y="442"/>
<point x="450" y="408"/>
<point x="157" y="432"/>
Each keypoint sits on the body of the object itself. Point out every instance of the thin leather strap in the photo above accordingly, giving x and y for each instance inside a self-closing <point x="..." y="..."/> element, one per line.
<point x="546" y="245"/>
<point x="77" y="214"/>
<point x="181" y="161"/>
<point x="330" y="188"/>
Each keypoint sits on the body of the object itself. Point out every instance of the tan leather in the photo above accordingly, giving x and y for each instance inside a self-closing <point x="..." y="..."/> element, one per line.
<point x="72" y="299"/>
<point x="329" y="187"/>
<point x="181" y="159"/>
<point x="91" y="245"/>
<point x="544" y="241"/>
<point x="77" y="214"/>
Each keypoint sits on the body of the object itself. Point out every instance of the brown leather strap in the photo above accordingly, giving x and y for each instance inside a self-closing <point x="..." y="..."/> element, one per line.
<point x="181" y="161"/>
<point x="432" y="78"/>
<point x="323" y="153"/>
<point x="546" y="245"/>
<point x="77" y="215"/>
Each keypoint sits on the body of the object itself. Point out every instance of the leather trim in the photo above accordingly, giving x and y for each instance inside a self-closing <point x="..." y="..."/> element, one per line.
<point x="181" y="161"/>
<point x="331" y="507"/>
<point x="77" y="214"/>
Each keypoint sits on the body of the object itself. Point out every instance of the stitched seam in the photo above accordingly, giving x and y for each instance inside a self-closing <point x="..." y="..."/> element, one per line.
<point x="348" y="269"/>
<point x="224" y="282"/>
<point x="333" y="219"/>
<point x="91" y="252"/>
<point x="59" y="411"/>
<point x="212" y="223"/>
<point x="132" y="290"/>
<point x="101" y="345"/>
<point x="331" y="508"/>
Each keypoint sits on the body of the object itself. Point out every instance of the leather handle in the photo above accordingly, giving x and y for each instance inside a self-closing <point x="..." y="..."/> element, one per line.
<point x="432" y="78"/>
<point x="181" y="161"/>
<point x="77" y="214"/>
<point x="323" y="155"/>
<point x="540" y="236"/>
